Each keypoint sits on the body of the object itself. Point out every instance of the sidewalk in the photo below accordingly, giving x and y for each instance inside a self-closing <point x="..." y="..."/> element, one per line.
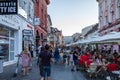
<point x="9" y="71"/>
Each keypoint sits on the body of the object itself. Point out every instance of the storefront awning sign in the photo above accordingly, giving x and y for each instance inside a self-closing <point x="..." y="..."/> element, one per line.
<point x="8" y="7"/>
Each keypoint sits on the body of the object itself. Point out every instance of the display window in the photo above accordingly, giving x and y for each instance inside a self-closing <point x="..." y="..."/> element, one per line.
<point x="6" y="44"/>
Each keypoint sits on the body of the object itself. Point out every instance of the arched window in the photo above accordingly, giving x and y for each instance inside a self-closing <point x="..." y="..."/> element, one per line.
<point x="37" y="33"/>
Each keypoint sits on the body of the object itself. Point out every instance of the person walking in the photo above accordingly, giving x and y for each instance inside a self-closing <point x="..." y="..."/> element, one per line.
<point x="26" y="59"/>
<point x="45" y="58"/>
<point x="56" y="55"/>
<point x="39" y="62"/>
<point x="71" y="58"/>
<point x="75" y="60"/>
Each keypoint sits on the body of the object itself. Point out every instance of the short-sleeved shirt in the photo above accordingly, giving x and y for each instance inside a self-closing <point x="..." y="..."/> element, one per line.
<point x="75" y="55"/>
<point x="45" y="58"/>
<point x="112" y="67"/>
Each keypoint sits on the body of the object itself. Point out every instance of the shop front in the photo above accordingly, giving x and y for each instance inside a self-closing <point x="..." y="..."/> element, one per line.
<point x="28" y="36"/>
<point x="7" y="40"/>
<point x="9" y="30"/>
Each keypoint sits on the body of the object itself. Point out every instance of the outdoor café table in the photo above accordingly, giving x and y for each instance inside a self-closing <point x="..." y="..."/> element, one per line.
<point x="117" y="72"/>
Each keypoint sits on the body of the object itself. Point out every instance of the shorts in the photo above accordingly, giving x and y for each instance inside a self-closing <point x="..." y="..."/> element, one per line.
<point x="75" y="62"/>
<point x="46" y="71"/>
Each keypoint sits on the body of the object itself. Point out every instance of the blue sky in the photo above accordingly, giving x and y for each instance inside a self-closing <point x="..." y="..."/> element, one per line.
<point x="72" y="16"/>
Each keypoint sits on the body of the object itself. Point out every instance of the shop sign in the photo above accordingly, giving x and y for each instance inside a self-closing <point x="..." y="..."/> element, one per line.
<point x="27" y="32"/>
<point x="36" y="21"/>
<point x="8" y="7"/>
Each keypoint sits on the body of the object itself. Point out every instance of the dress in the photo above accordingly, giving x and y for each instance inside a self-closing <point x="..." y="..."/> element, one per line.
<point x="25" y="59"/>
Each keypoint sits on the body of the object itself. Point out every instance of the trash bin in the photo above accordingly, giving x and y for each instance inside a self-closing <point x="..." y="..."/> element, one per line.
<point x="1" y="66"/>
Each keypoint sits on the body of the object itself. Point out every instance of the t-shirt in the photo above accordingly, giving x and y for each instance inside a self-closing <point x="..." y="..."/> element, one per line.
<point x="112" y="67"/>
<point x="82" y="59"/>
<point x="75" y="55"/>
<point x="88" y="62"/>
<point x="45" y="58"/>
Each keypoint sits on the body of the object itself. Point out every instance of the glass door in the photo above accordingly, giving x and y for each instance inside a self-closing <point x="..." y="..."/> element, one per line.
<point x="12" y="49"/>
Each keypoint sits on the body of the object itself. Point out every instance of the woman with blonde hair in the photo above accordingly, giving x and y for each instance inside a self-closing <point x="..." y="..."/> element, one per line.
<point x="26" y="59"/>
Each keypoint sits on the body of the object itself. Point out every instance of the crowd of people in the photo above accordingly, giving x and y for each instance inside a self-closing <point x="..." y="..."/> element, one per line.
<point x="100" y="62"/>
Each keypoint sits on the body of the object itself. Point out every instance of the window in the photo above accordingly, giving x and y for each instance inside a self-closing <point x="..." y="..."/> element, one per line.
<point x="4" y="51"/>
<point x="105" y="4"/>
<point x="119" y="29"/>
<point x="106" y="16"/>
<point x="118" y="8"/>
<point x="4" y="32"/>
<point x="37" y="33"/>
<point x="42" y="13"/>
<point x="105" y="32"/>
<point x="12" y="33"/>
<point x="112" y="10"/>
<point x="111" y="30"/>
<point x="30" y="11"/>
<point x="41" y="36"/>
<point x="7" y="44"/>
<point x="23" y="4"/>
<point x="112" y="15"/>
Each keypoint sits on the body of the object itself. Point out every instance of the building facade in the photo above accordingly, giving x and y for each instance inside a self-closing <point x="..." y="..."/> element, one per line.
<point x="49" y="25"/>
<point x="41" y="14"/>
<point x="76" y="37"/>
<point x="85" y="30"/>
<point x="109" y="16"/>
<point x="109" y="19"/>
<point x="16" y="31"/>
<point x="92" y="32"/>
<point x="55" y="37"/>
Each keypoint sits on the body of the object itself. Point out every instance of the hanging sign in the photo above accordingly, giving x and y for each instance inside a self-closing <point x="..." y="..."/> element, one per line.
<point x="27" y="32"/>
<point x="8" y="7"/>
